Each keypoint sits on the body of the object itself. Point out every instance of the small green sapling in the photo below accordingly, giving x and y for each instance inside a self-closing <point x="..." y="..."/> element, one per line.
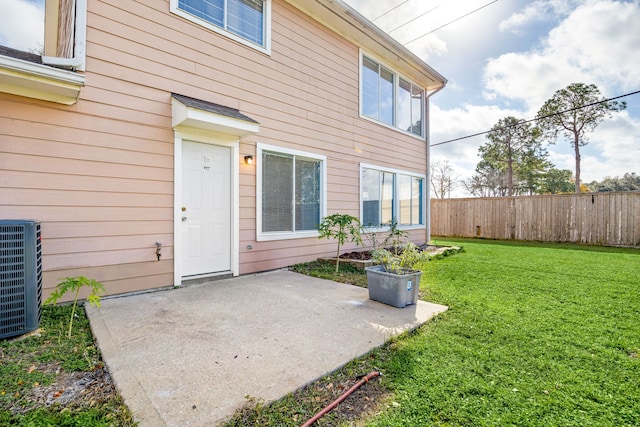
<point x="342" y="227"/>
<point x="75" y="284"/>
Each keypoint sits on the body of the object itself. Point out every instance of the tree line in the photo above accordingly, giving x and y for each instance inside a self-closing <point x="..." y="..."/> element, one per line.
<point x="514" y="160"/>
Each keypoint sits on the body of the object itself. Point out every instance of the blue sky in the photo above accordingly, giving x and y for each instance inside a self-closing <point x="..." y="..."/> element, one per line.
<point x="504" y="60"/>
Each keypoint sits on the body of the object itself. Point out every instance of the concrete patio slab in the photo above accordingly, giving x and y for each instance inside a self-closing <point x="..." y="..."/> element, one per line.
<point x="190" y="356"/>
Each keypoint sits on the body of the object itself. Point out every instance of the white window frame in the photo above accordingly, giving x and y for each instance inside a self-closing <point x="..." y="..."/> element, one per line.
<point x="396" y="201"/>
<point x="78" y="62"/>
<point x="173" y="7"/>
<point x="396" y="88"/>
<point x="283" y="235"/>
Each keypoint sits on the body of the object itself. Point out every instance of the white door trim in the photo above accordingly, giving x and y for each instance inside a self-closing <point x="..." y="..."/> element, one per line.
<point x="224" y="140"/>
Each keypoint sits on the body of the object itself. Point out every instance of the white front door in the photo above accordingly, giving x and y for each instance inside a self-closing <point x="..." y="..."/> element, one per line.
<point x="206" y="208"/>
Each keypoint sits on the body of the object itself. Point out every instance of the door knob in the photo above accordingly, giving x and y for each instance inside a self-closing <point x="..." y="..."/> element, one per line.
<point x="184" y="218"/>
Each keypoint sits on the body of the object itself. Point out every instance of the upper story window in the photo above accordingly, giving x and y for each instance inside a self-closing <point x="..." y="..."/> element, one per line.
<point x="387" y="97"/>
<point x="246" y="21"/>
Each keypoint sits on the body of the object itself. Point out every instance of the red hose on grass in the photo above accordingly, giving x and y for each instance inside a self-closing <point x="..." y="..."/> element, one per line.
<point x="344" y="395"/>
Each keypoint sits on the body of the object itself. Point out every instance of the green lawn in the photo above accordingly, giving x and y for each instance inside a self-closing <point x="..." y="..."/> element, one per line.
<point x="535" y="335"/>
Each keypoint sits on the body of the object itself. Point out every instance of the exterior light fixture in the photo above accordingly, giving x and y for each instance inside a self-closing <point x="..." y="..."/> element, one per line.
<point x="248" y="160"/>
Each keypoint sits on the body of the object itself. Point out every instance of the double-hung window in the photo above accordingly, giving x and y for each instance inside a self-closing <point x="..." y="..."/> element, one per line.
<point x="242" y="20"/>
<point x="291" y="193"/>
<point x="391" y="194"/>
<point x="389" y="98"/>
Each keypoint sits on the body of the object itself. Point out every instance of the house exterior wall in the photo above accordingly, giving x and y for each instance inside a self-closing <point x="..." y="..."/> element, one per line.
<point x="99" y="174"/>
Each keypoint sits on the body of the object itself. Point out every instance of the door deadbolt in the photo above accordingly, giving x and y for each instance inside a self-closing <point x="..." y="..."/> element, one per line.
<point x="184" y="209"/>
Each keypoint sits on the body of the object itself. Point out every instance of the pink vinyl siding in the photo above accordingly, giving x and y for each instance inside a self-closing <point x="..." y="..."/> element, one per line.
<point x="99" y="174"/>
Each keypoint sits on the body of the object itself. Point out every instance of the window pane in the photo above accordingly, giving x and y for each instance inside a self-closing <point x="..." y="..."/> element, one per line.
<point x="369" y="88"/>
<point x="277" y="192"/>
<point x="387" y="213"/>
<point x="245" y="18"/>
<point x="416" y="201"/>
<point x="405" y="199"/>
<point x="386" y="96"/>
<point x="417" y="110"/>
<point x="404" y="106"/>
<point x="410" y="195"/>
<point x="209" y="10"/>
<point x="370" y="198"/>
<point x="307" y="208"/>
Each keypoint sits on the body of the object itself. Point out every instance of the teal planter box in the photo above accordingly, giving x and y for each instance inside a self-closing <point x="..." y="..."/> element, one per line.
<point x="398" y="290"/>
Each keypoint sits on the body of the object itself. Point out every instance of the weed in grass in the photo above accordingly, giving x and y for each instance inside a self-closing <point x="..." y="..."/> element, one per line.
<point x="75" y="285"/>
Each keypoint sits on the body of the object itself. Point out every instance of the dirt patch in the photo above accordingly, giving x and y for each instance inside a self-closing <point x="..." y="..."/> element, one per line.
<point x="360" y="256"/>
<point x="69" y="390"/>
<point x="431" y="249"/>
<point x="361" y="404"/>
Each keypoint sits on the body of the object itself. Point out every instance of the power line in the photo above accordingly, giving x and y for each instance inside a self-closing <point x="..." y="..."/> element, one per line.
<point x="389" y="11"/>
<point x="537" y="118"/>
<point x="411" y="20"/>
<point x="448" y="23"/>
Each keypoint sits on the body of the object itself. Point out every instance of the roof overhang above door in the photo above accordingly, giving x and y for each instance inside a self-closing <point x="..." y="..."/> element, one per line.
<point x="193" y="113"/>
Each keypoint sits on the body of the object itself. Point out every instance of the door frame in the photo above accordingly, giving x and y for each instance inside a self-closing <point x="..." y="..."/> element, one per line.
<point x="223" y="140"/>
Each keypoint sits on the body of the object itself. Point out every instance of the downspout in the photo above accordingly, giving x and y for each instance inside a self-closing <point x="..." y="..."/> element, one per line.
<point x="428" y="152"/>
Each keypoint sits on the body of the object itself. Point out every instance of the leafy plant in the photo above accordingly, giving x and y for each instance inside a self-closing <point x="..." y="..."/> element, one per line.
<point x="343" y="228"/>
<point x="76" y="284"/>
<point x="406" y="258"/>
<point x="395" y="236"/>
<point x="373" y="241"/>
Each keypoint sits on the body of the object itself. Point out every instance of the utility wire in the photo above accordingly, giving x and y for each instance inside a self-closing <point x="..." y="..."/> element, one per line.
<point x="389" y="11"/>
<point x="417" y="17"/>
<point x="537" y="118"/>
<point x="448" y="23"/>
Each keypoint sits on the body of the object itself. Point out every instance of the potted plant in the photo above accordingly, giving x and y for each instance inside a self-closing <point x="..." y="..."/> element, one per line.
<point x="395" y="281"/>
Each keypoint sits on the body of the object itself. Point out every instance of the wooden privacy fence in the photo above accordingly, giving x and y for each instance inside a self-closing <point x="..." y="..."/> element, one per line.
<point x="611" y="219"/>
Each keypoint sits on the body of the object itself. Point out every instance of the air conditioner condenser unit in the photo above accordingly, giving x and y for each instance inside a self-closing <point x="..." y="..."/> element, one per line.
<point x="20" y="277"/>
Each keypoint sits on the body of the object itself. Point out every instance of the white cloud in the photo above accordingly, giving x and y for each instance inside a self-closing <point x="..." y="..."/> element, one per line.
<point x="562" y="160"/>
<point x="597" y="43"/>
<point x="537" y="11"/>
<point x="21" y="24"/>
<point x="459" y="122"/>
<point x="602" y="39"/>
<point x="615" y="143"/>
